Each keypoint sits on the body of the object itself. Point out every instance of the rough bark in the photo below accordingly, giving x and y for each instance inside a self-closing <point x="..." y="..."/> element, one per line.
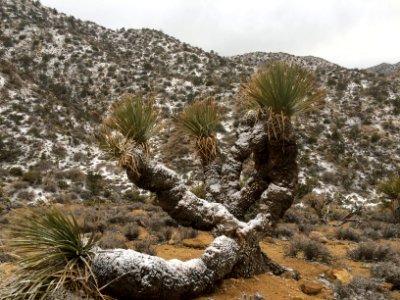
<point x="132" y="275"/>
<point x="235" y="252"/>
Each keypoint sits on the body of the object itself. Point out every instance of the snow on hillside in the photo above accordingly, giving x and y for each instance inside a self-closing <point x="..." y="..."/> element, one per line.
<point x="59" y="75"/>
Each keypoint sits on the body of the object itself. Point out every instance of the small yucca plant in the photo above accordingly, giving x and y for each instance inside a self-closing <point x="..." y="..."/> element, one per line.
<point x="282" y="90"/>
<point x="53" y="254"/>
<point x="391" y="189"/>
<point x="200" y="120"/>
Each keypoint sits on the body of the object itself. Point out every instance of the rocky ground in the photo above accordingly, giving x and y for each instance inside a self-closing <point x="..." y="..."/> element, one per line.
<point x="323" y="257"/>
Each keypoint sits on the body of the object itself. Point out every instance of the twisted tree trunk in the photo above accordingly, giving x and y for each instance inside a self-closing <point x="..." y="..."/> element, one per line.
<point x="236" y="251"/>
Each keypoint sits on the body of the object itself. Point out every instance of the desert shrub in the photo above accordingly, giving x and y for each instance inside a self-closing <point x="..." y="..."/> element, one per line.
<point x="378" y="214"/>
<point x="186" y="232"/>
<point x="146" y="247"/>
<point x="121" y="217"/>
<point x="112" y="240"/>
<point x="163" y="234"/>
<point x="155" y="224"/>
<point x="337" y="213"/>
<point x="388" y="271"/>
<point x="26" y="195"/>
<point x="153" y="208"/>
<point x="300" y="216"/>
<point x="94" y="183"/>
<point x="33" y="177"/>
<point x="62" y="184"/>
<point x="19" y="185"/>
<point x="312" y="250"/>
<point x="348" y="233"/>
<point x="306" y="228"/>
<point x="372" y="234"/>
<point x="199" y="190"/>
<point x="64" y="198"/>
<point x="391" y="231"/>
<point x="285" y="230"/>
<point x="306" y="187"/>
<point x="92" y="221"/>
<point x="134" y="205"/>
<point x="16" y="171"/>
<point x="49" y="185"/>
<point x="371" y="251"/>
<point x="131" y="231"/>
<point x="74" y="174"/>
<point x="134" y="196"/>
<point x="360" y="289"/>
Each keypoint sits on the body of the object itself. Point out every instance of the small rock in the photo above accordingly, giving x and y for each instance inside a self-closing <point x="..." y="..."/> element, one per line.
<point x="311" y="288"/>
<point x="341" y="275"/>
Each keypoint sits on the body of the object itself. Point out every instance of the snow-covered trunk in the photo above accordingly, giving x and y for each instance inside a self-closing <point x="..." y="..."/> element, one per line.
<point x="236" y="251"/>
<point x="127" y="274"/>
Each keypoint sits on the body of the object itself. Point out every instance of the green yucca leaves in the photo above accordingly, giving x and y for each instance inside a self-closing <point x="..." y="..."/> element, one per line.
<point x="132" y="122"/>
<point x="283" y="88"/>
<point x="111" y="143"/>
<point x="135" y="118"/>
<point x="390" y="187"/>
<point x="53" y="254"/>
<point x="200" y="119"/>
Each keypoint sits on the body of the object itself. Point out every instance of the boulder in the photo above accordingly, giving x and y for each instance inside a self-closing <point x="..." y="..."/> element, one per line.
<point x="311" y="288"/>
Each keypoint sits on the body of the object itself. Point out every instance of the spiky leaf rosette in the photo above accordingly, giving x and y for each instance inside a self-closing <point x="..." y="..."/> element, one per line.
<point x="390" y="187"/>
<point x="53" y="254"/>
<point x="200" y="120"/>
<point x="281" y="91"/>
<point x="135" y="117"/>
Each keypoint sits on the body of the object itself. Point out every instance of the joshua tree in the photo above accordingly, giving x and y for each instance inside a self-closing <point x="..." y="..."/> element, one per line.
<point x="265" y="135"/>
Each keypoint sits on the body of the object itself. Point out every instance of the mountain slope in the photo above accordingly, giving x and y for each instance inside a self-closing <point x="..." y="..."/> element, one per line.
<point x="385" y="68"/>
<point x="58" y="76"/>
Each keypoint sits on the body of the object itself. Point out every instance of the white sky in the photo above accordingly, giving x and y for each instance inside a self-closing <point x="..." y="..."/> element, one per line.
<point x="352" y="33"/>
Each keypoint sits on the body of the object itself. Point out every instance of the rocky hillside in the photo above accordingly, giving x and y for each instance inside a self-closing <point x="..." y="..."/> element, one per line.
<point x="58" y="76"/>
<point x="386" y="68"/>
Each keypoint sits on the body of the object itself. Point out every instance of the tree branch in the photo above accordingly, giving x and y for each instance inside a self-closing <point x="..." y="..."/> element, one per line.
<point x="133" y="275"/>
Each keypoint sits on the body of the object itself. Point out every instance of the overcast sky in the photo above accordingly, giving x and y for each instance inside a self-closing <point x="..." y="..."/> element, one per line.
<point x="352" y="33"/>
